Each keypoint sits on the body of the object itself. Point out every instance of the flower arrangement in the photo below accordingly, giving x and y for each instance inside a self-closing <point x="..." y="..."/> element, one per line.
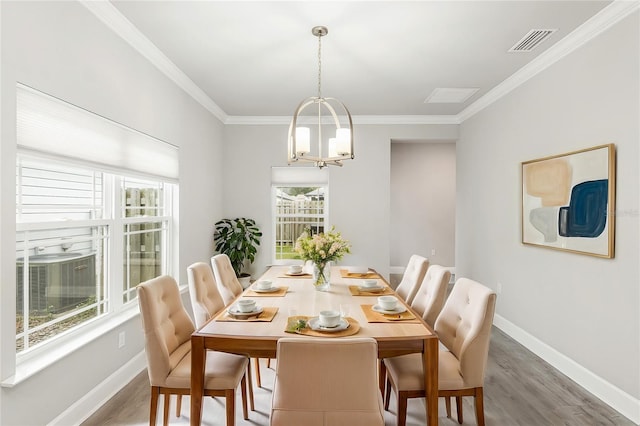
<point x="321" y="249"/>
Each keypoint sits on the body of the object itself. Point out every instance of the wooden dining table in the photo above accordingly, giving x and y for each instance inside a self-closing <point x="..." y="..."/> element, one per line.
<point x="258" y="338"/>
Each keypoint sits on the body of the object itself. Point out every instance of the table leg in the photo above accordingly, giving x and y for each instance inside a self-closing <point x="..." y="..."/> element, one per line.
<point x="430" y="365"/>
<point x="198" y="356"/>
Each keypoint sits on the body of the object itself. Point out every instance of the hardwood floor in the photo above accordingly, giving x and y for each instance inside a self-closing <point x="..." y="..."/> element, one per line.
<point x="520" y="389"/>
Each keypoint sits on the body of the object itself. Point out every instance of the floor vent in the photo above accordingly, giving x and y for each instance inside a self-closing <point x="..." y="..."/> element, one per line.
<point x="531" y="40"/>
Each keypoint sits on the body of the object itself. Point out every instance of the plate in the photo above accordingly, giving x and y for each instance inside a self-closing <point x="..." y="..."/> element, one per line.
<point x="265" y="290"/>
<point x="375" y="289"/>
<point x="233" y="311"/>
<point x="314" y="324"/>
<point x="295" y="274"/>
<point x="398" y="310"/>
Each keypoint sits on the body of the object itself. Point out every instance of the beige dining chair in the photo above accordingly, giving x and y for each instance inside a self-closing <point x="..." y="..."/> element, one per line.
<point x="206" y="301"/>
<point x="412" y="277"/>
<point x="230" y="288"/>
<point x="326" y="382"/>
<point x="167" y="330"/>
<point x="464" y="328"/>
<point x="226" y="279"/>
<point x="432" y="293"/>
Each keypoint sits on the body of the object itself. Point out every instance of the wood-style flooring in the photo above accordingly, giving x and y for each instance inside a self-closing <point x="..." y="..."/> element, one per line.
<point x="520" y="389"/>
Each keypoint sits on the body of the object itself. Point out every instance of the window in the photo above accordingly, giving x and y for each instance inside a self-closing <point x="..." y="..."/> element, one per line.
<point x="65" y="244"/>
<point x="94" y="217"/>
<point x="299" y="196"/>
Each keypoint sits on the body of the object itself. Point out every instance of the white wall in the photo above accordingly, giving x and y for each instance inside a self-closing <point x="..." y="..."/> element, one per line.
<point x="582" y="307"/>
<point x="64" y="50"/>
<point x="423" y="193"/>
<point x="359" y="192"/>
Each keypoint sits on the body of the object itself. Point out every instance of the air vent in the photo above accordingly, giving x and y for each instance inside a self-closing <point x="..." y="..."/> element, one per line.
<point x="531" y="40"/>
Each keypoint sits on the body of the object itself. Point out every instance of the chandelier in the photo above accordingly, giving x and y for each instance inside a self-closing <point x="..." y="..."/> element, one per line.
<point x="325" y="114"/>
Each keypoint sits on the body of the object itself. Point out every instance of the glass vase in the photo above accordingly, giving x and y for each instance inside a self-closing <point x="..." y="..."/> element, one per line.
<point x="322" y="276"/>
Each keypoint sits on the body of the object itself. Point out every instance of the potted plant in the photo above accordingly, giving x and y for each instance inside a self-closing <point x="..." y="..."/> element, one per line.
<point x="239" y="239"/>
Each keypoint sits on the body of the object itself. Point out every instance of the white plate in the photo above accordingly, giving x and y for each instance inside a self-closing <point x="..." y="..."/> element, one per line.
<point x="314" y="324"/>
<point x="265" y="290"/>
<point x="233" y="310"/>
<point x="398" y="310"/>
<point x="295" y="274"/>
<point x="372" y="289"/>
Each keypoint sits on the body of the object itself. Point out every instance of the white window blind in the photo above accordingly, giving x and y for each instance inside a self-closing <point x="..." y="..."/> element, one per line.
<point x="48" y="125"/>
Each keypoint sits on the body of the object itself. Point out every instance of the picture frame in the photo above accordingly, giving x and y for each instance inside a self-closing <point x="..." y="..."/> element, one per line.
<point x="568" y="201"/>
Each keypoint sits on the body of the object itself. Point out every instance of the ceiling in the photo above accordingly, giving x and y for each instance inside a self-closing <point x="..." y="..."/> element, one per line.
<point x="381" y="58"/>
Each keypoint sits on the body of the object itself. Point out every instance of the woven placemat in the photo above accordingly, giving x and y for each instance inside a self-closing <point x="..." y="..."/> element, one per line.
<point x="373" y="316"/>
<point x="266" y="315"/>
<point x="358" y="291"/>
<point x="293" y="326"/>
<point x="344" y="273"/>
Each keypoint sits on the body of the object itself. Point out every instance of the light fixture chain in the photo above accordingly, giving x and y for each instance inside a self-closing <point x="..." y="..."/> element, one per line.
<point x="319" y="65"/>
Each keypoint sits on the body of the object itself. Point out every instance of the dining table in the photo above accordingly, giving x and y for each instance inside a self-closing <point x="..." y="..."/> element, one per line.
<point x="294" y="296"/>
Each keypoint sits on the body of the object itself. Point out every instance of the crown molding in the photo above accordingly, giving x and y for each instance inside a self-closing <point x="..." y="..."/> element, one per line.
<point x="357" y="119"/>
<point x="116" y="21"/>
<point x="600" y="22"/>
<point x="606" y="18"/>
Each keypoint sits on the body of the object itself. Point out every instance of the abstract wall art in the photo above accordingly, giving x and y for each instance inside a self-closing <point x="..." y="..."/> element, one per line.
<point x="568" y="201"/>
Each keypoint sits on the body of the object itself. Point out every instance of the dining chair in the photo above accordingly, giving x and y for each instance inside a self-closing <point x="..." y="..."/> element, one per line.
<point x="326" y="382"/>
<point x="464" y="328"/>
<point x="432" y="293"/>
<point x="412" y="277"/>
<point x="206" y="301"/>
<point x="230" y="288"/>
<point x="225" y="277"/>
<point x="167" y="331"/>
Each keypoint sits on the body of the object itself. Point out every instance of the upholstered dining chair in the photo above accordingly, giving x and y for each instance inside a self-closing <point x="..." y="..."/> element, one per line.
<point x="206" y="301"/>
<point x="167" y="330"/>
<point x="412" y="277"/>
<point x="336" y="386"/>
<point x="230" y="288"/>
<point x="432" y="293"/>
<point x="464" y="328"/>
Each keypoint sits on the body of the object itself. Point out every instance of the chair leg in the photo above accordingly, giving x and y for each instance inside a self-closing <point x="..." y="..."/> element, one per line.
<point x="250" y="387"/>
<point x="447" y="403"/>
<point x="243" y="389"/>
<point x="382" y="375"/>
<point x="165" y="414"/>
<point x="479" y="403"/>
<point x="256" y="362"/>
<point x="402" y="408"/>
<point x="459" y="408"/>
<point x="153" y="410"/>
<point x="268" y="362"/>
<point x="178" y="405"/>
<point x="387" y="395"/>
<point x="230" y="405"/>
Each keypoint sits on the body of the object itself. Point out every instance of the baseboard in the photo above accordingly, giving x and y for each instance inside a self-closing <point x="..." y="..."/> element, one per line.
<point x="616" y="398"/>
<point x="86" y="406"/>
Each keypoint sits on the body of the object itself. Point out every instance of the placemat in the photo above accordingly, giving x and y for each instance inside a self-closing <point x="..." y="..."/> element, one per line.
<point x="344" y="273"/>
<point x="294" y="327"/>
<point x="304" y="276"/>
<point x="373" y="316"/>
<point x="266" y="315"/>
<point x="357" y="291"/>
<point x="279" y="293"/>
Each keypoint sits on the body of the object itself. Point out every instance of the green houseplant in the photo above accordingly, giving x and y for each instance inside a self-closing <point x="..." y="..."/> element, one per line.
<point x="239" y="239"/>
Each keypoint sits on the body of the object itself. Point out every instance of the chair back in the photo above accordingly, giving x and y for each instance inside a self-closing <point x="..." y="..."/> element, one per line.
<point x="464" y="327"/>
<point x="432" y="293"/>
<point x="338" y="386"/>
<point x="225" y="277"/>
<point x="166" y="324"/>
<point x="412" y="277"/>
<point x="203" y="292"/>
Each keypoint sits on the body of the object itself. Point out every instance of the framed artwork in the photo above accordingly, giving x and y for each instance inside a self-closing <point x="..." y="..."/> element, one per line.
<point x="568" y="201"/>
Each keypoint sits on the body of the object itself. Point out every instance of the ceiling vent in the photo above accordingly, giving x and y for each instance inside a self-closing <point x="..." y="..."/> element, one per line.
<point x="531" y="40"/>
